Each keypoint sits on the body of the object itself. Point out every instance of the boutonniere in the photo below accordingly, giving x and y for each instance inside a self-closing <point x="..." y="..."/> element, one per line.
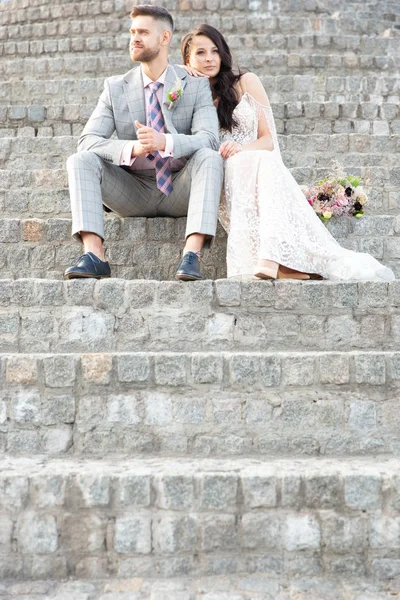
<point x="175" y="93"/>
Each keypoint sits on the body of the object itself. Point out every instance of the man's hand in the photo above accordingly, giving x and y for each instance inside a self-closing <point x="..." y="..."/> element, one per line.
<point x="229" y="148"/>
<point x="150" y="139"/>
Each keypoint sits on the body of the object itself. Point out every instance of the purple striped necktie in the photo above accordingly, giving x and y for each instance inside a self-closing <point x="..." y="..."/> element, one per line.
<point x="155" y="120"/>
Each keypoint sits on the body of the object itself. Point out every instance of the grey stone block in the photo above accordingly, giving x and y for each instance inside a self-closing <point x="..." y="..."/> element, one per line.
<point x="259" y="491"/>
<point x="244" y="369"/>
<point x="261" y="532"/>
<point x="301" y="532"/>
<point x="362" y="415"/>
<point x="175" y="492"/>
<point x="385" y="532"/>
<point x="170" y="370"/>
<point x="287" y="294"/>
<point x="207" y="368"/>
<point x="122" y="408"/>
<point x="228" y="292"/>
<point x="49" y="293"/>
<point x="134" y="490"/>
<point x="158" y="409"/>
<point x="140" y="294"/>
<point x="270" y="371"/>
<point x="133" y="368"/>
<point x="258" y="412"/>
<point x="37" y="534"/>
<point x="133" y="534"/>
<point x="59" y="371"/>
<point x="226" y="411"/>
<point x="218" y="491"/>
<point x="257" y="293"/>
<point x="189" y="411"/>
<point x="6" y="528"/>
<point x="110" y="295"/>
<point x="218" y="533"/>
<point x="371" y="369"/>
<point x="342" y="534"/>
<point x="373" y="294"/>
<point x="80" y="292"/>
<point x="385" y="568"/>
<point x="175" y="534"/>
<point x="25" y="407"/>
<point x="47" y="491"/>
<point x="57" y="440"/>
<point x="322" y="491"/>
<point x="94" y="489"/>
<point x="334" y="369"/>
<point x="298" y="370"/>
<point x="363" y="492"/>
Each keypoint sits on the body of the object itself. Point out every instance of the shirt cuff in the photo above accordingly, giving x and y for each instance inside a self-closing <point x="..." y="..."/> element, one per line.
<point x="169" y="146"/>
<point x="126" y="155"/>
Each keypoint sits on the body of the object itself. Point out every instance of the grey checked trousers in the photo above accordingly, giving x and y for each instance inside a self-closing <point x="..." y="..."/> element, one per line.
<point x="196" y="193"/>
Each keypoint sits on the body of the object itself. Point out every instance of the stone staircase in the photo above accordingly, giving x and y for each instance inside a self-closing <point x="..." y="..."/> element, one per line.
<point x="218" y="440"/>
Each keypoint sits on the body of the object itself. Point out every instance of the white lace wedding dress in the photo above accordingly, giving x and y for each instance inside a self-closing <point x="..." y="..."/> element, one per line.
<point x="268" y="217"/>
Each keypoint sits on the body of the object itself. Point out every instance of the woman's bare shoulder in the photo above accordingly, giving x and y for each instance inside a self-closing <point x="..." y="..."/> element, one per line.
<point x="251" y="83"/>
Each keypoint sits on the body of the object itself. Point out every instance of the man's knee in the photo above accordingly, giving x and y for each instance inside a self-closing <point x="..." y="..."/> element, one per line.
<point x="85" y="159"/>
<point x="208" y="155"/>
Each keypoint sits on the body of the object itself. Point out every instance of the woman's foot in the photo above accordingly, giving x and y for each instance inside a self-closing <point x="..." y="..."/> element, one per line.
<point x="266" y="269"/>
<point x="286" y="273"/>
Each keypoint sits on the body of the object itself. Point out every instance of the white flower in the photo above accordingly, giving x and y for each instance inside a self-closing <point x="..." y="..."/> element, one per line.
<point x="359" y="191"/>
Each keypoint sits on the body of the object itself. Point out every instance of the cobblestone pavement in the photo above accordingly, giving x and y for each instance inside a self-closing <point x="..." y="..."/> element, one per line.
<point x="225" y="588"/>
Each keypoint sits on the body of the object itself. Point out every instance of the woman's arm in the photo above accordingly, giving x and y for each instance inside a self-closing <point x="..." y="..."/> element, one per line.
<point x="251" y="83"/>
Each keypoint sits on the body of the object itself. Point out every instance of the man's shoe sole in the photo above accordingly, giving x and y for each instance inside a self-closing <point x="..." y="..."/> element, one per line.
<point x="184" y="277"/>
<point x="85" y="276"/>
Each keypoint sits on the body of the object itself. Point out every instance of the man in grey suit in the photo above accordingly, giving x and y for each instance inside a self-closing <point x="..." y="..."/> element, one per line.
<point x="165" y="160"/>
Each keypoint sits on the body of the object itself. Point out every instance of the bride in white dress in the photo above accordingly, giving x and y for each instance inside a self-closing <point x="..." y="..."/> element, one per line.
<point x="273" y="232"/>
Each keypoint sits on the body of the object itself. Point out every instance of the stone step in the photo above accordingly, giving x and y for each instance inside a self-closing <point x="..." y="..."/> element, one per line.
<point x="291" y="117"/>
<point x="252" y="586"/>
<point x="64" y="19"/>
<point x="115" y="37"/>
<point x="195" y="404"/>
<point x="280" y="64"/>
<point x="42" y="191"/>
<point x="145" y="517"/>
<point x="139" y="315"/>
<point x="150" y="248"/>
<point x="29" y="152"/>
<point x="289" y="88"/>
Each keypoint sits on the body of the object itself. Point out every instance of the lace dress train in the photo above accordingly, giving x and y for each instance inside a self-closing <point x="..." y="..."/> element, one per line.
<point x="268" y="217"/>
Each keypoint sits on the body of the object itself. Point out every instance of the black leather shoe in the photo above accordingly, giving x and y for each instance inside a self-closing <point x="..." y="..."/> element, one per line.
<point x="88" y="265"/>
<point x="188" y="268"/>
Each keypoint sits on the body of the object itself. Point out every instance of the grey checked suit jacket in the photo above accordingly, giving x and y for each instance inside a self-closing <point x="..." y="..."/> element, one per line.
<point x="192" y="120"/>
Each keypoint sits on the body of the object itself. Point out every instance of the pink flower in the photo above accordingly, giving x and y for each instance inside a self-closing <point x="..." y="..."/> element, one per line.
<point x="174" y="96"/>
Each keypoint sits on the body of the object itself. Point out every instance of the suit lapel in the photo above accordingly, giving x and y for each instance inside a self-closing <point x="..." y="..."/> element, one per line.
<point x="134" y="91"/>
<point x="169" y="84"/>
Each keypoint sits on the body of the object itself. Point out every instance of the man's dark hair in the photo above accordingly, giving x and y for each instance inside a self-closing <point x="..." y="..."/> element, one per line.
<point x="157" y="12"/>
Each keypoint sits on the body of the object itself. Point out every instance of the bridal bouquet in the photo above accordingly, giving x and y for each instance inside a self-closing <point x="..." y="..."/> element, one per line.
<point x="337" y="195"/>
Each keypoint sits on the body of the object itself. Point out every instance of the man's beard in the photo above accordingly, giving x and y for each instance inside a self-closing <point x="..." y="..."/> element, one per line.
<point x="144" y="54"/>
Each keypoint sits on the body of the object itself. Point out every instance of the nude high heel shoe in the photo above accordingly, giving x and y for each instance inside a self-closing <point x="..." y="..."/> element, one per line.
<point x="279" y="273"/>
<point x="265" y="273"/>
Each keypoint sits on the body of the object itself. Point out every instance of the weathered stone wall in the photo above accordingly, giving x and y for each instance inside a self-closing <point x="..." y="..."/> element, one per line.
<point x="217" y="429"/>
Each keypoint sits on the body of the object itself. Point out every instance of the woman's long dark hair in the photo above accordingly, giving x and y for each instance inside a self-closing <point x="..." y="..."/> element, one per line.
<point x="224" y="86"/>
